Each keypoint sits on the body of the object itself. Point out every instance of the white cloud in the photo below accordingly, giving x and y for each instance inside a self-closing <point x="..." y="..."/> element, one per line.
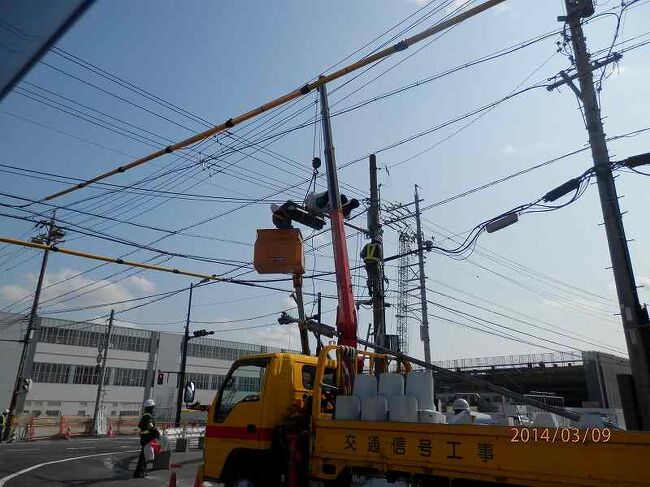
<point x="12" y="292"/>
<point x="508" y="149"/>
<point x="71" y="288"/>
<point x="142" y="283"/>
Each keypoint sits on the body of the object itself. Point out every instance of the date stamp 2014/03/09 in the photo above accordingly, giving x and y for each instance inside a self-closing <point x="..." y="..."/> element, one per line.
<point x="560" y="435"/>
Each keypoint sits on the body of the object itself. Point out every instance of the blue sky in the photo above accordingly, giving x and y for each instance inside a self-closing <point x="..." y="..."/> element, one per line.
<point x="219" y="59"/>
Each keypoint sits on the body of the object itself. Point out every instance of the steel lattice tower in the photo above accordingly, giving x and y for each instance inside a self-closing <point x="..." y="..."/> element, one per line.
<point x="403" y="296"/>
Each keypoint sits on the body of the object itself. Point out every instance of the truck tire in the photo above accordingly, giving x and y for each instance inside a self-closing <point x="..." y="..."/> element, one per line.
<point x="244" y="482"/>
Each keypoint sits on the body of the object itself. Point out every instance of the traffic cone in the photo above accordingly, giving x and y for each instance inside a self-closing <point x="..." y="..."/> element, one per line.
<point x="198" y="480"/>
<point x="172" y="480"/>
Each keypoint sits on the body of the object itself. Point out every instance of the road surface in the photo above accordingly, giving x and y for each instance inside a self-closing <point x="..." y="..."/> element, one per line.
<point x="102" y="462"/>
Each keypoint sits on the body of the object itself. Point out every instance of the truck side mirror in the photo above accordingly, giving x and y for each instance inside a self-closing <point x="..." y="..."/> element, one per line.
<point x="189" y="393"/>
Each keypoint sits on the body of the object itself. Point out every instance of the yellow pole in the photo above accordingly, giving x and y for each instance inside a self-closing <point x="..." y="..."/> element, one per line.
<point x="400" y="46"/>
<point x="114" y="260"/>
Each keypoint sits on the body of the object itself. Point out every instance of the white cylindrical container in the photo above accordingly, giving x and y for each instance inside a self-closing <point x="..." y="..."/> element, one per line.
<point x="403" y="409"/>
<point x="365" y="385"/>
<point x="374" y="408"/>
<point x="420" y="385"/>
<point x="347" y="407"/>
<point x="431" y="417"/>
<point x="391" y="384"/>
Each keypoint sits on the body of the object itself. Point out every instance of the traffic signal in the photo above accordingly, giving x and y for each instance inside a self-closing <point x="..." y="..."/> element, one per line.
<point x="580" y="8"/>
<point x="202" y="333"/>
<point x="161" y="378"/>
<point x="290" y="211"/>
<point x="319" y="203"/>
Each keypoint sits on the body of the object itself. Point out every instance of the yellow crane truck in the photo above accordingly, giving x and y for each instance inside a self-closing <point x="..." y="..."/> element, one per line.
<point x="352" y="417"/>
<point x="275" y="422"/>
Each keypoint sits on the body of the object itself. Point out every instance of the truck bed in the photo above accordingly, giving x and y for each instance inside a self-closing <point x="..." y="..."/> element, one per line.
<point x="508" y="455"/>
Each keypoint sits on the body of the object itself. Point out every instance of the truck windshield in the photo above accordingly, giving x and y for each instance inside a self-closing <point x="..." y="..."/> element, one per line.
<point x="244" y="384"/>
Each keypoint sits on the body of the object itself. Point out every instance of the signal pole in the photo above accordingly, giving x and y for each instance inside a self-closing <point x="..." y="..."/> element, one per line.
<point x="375" y="267"/>
<point x="424" y="326"/>
<point x="181" y="375"/>
<point x="53" y="236"/>
<point x="635" y="319"/>
<point x="102" y="373"/>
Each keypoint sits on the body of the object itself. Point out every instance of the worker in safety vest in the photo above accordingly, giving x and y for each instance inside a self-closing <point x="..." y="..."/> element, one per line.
<point x="148" y="432"/>
<point x="4" y="423"/>
<point x="372" y="255"/>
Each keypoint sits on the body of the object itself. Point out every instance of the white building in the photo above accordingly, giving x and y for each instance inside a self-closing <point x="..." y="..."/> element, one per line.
<point x="65" y="359"/>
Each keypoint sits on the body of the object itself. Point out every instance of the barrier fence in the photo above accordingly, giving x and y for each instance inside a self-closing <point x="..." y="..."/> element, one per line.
<point x="30" y="428"/>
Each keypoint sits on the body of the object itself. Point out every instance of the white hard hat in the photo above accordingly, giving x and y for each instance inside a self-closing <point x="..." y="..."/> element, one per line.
<point x="6" y="411"/>
<point x="149" y="403"/>
<point x="460" y="405"/>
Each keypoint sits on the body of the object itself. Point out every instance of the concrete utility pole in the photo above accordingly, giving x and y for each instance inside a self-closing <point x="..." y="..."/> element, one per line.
<point x="635" y="318"/>
<point x="54" y="235"/>
<point x="102" y="373"/>
<point x="181" y="375"/>
<point x="297" y="292"/>
<point x="375" y="267"/>
<point x="424" y="326"/>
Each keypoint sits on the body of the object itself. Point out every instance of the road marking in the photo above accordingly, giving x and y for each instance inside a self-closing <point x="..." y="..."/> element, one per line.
<point x="6" y="479"/>
<point x="77" y="448"/>
<point x="22" y="449"/>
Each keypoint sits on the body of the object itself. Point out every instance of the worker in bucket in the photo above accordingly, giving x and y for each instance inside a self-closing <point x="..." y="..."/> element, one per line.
<point x="148" y="432"/>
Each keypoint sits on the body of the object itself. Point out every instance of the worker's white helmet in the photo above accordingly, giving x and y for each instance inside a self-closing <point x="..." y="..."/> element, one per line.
<point x="6" y="411"/>
<point x="149" y="403"/>
<point x="460" y="405"/>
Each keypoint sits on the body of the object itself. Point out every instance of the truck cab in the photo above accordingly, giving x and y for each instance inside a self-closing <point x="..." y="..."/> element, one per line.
<point x="262" y="397"/>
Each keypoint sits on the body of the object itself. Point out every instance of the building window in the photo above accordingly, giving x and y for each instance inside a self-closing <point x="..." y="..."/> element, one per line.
<point x="81" y="413"/>
<point x="130" y="343"/>
<point x="52" y="373"/>
<point x="113" y="413"/>
<point x="87" y="338"/>
<point x="128" y="377"/>
<point x="221" y="350"/>
<point x="53" y="403"/>
<point x="129" y="413"/>
<point x="85" y="374"/>
<point x="52" y="412"/>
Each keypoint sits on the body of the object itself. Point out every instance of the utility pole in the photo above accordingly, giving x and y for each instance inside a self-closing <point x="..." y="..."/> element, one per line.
<point x="102" y="373"/>
<point x="424" y="326"/>
<point x="53" y="235"/>
<point x="373" y="257"/>
<point x="304" y="337"/>
<point x="181" y="375"/>
<point x="634" y="317"/>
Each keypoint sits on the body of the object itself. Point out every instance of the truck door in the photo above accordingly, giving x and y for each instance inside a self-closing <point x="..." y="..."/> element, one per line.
<point x="235" y="425"/>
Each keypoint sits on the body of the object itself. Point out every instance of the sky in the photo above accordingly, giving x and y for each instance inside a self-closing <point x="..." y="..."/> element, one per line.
<point x="544" y="282"/>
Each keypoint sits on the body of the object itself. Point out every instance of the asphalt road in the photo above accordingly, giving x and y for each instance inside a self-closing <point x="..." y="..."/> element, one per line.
<point x="103" y="462"/>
